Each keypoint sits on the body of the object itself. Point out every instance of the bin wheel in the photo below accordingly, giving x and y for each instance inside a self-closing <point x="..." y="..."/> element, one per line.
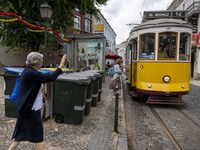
<point x="59" y="118"/>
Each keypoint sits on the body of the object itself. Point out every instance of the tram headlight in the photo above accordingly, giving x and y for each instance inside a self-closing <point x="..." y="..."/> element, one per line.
<point x="166" y="79"/>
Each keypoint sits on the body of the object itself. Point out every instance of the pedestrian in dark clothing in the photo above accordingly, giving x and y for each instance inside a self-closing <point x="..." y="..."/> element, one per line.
<point x="29" y="101"/>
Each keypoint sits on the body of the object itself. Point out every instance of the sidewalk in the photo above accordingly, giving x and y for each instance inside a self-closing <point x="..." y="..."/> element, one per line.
<point x="95" y="132"/>
<point x="195" y="82"/>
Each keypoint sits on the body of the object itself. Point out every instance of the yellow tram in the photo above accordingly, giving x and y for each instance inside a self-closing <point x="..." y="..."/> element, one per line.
<point x="158" y="60"/>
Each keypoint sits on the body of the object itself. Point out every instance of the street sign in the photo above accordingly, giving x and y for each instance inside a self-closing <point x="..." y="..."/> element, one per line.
<point x="150" y="15"/>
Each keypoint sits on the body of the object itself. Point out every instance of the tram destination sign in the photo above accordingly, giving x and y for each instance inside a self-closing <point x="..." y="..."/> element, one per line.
<point x="150" y="15"/>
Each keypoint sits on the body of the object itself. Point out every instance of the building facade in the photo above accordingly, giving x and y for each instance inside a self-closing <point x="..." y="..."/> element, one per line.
<point x="100" y="25"/>
<point x="121" y="50"/>
<point x="193" y="9"/>
<point x="82" y="24"/>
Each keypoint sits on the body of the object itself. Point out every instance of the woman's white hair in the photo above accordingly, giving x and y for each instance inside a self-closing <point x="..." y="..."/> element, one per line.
<point x="34" y="58"/>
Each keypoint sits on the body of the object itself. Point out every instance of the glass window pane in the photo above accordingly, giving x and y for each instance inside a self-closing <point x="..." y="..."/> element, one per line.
<point x="87" y="25"/>
<point x="147" y="44"/>
<point x="134" y="50"/>
<point x="77" y="22"/>
<point x="167" y="45"/>
<point x="184" y="49"/>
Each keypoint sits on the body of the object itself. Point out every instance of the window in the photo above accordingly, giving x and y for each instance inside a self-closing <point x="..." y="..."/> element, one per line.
<point x="134" y="49"/>
<point x="147" y="45"/>
<point x="98" y="21"/>
<point x="87" y="25"/>
<point x="167" y="45"/>
<point x="77" y="22"/>
<point x="184" y="49"/>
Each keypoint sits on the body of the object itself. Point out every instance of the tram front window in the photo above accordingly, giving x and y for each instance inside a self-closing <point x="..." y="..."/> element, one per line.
<point x="167" y="45"/>
<point x="147" y="45"/>
<point x="184" y="49"/>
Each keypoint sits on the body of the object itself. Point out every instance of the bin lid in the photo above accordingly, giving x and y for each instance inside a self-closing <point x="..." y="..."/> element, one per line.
<point x="13" y="70"/>
<point x="63" y="69"/>
<point x="96" y="74"/>
<point x="20" y="70"/>
<point x="75" y="79"/>
<point x="90" y="74"/>
<point x="98" y="71"/>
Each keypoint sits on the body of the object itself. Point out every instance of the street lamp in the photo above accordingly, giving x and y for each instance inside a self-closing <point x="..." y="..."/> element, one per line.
<point x="46" y="13"/>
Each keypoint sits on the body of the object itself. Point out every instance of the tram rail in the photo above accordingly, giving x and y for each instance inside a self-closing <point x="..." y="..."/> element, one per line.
<point x="189" y="120"/>
<point x="166" y="129"/>
<point x="187" y="116"/>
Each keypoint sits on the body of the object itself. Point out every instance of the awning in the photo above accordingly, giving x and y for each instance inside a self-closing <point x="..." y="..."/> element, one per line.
<point x="110" y="55"/>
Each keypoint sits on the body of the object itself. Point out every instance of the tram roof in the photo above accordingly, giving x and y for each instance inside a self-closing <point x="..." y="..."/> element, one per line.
<point x="162" y="23"/>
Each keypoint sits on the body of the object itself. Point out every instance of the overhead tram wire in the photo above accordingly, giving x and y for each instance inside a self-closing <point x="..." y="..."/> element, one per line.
<point x="142" y="8"/>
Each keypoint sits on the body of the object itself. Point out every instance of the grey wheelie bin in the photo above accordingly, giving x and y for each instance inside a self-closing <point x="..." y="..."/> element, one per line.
<point x="89" y="91"/>
<point x="100" y="81"/>
<point x="69" y="98"/>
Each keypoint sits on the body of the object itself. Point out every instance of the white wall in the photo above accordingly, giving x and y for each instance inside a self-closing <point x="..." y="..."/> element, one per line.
<point x="19" y="58"/>
<point x="108" y="31"/>
<point x="12" y="58"/>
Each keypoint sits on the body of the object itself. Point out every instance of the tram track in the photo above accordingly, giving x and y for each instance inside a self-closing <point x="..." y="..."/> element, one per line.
<point x="166" y="129"/>
<point x="180" y="127"/>
<point x="188" y="116"/>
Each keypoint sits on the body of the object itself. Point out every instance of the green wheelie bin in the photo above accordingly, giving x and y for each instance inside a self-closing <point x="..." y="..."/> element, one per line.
<point x="95" y="92"/>
<point x="11" y="77"/>
<point x="69" y="98"/>
<point x="10" y="106"/>
<point x="100" y="81"/>
<point x="89" y="91"/>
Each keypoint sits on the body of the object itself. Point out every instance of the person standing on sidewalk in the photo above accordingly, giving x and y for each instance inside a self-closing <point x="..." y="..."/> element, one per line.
<point x="29" y="101"/>
<point x="115" y="84"/>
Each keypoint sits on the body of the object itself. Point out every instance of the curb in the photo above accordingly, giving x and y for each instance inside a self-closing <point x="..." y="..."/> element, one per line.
<point x="122" y="143"/>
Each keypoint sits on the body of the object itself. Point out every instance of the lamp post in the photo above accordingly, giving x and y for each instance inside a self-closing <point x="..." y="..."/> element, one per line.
<point x="46" y="13"/>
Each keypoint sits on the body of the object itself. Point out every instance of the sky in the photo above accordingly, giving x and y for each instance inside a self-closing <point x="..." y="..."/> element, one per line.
<point x="119" y="13"/>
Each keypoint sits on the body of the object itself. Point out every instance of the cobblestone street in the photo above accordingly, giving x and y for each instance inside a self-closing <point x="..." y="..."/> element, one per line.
<point x="95" y="132"/>
<point x="144" y="130"/>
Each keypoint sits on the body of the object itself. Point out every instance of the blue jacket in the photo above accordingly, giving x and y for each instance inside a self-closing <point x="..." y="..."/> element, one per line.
<point x="30" y="83"/>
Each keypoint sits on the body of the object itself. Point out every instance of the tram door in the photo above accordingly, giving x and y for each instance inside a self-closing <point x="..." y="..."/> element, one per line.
<point x="134" y="63"/>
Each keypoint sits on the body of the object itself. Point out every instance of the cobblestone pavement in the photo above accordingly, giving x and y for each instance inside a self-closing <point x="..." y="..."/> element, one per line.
<point x="95" y="132"/>
<point x="144" y="131"/>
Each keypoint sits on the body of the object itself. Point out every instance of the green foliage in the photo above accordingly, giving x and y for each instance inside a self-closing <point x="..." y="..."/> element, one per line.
<point x="14" y="33"/>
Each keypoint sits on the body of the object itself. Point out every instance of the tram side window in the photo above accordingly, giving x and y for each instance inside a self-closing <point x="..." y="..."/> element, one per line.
<point x="128" y="53"/>
<point x="147" y="45"/>
<point x="184" y="49"/>
<point x="167" y="45"/>
<point x="135" y="50"/>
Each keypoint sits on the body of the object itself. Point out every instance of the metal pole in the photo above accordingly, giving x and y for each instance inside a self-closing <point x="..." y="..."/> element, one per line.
<point x="45" y="47"/>
<point x="116" y="111"/>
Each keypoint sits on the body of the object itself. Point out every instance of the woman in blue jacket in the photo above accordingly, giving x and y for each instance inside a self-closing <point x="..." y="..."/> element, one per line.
<point x="29" y="102"/>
